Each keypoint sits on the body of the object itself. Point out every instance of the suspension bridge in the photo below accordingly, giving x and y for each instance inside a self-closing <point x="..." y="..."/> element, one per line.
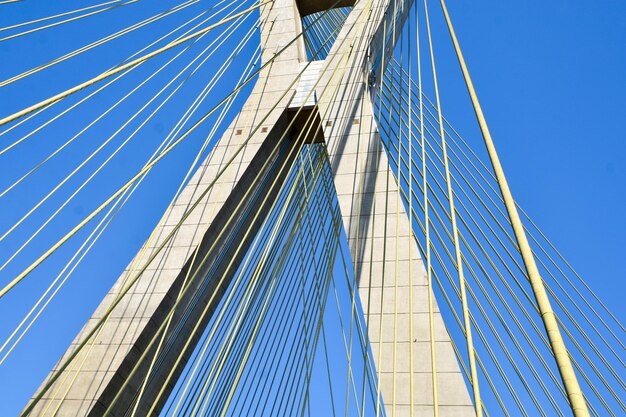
<point x="331" y="243"/>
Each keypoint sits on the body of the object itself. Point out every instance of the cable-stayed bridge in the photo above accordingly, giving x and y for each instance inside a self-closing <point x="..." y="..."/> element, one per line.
<point x="334" y="245"/>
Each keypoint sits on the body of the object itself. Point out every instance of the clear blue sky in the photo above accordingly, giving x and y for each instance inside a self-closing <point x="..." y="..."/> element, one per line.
<point x="550" y="76"/>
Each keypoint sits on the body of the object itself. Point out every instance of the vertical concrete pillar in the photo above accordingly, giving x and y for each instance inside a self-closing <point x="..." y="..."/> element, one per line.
<point x="378" y="227"/>
<point x="364" y="187"/>
<point x="100" y="371"/>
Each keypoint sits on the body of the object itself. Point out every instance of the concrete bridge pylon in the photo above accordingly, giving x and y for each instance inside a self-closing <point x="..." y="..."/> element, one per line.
<point x="334" y="95"/>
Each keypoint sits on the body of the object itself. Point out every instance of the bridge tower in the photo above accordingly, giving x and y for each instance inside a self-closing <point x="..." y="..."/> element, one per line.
<point x="327" y="100"/>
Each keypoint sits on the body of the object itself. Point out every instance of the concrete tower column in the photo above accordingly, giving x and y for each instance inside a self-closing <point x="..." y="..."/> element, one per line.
<point x="360" y="173"/>
<point x="377" y="225"/>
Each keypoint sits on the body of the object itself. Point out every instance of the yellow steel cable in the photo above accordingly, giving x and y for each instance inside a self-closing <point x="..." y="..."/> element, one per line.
<point x="122" y="68"/>
<point x="243" y="268"/>
<point x="207" y="87"/>
<point x="429" y="280"/>
<point x="105" y="40"/>
<point x="362" y="408"/>
<point x="330" y="383"/>
<point x="112" y="136"/>
<point x="332" y="23"/>
<point x="587" y="287"/>
<point x="505" y="326"/>
<point x="24" y="120"/>
<point x="453" y="215"/>
<point x="256" y="327"/>
<point x="574" y="303"/>
<point x="491" y="174"/>
<point x="145" y="169"/>
<point x="280" y="265"/>
<point x="215" y="12"/>
<point x="210" y="84"/>
<point x="492" y="355"/>
<point x="594" y="368"/>
<point x="512" y="240"/>
<point x="447" y="252"/>
<point x="410" y="238"/>
<point x="461" y="237"/>
<point x="337" y="21"/>
<point x="445" y="295"/>
<point x="595" y="391"/>
<point x="521" y="351"/>
<point x="528" y="317"/>
<point x="378" y="389"/>
<point x="437" y="255"/>
<point x="72" y="19"/>
<point x="505" y="231"/>
<point x="319" y="215"/>
<point x="49" y="121"/>
<point x="570" y="381"/>
<point x="43" y="19"/>
<point x="395" y="311"/>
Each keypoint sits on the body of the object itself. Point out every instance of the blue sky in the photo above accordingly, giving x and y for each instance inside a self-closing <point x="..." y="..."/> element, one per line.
<point x="550" y="77"/>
